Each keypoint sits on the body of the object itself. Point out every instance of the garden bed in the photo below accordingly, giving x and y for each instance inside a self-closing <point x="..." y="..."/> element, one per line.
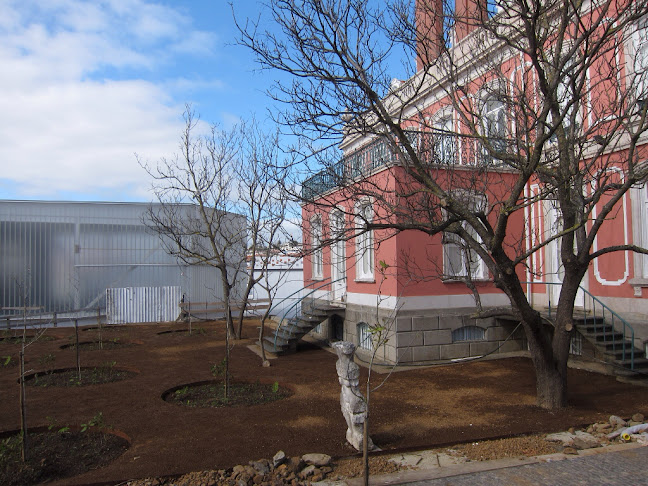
<point x="418" y="408"/>
<point x="57" y="454"/>
<point x="105" y="344"/>
<point x="212" y="394"/>
<point x="196" y="331"/>
<point x="96" y="375"/>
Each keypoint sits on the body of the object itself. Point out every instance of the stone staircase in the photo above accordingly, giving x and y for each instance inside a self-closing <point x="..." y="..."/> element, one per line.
<point x="287" y="334"/>
<point x="626" y="359"/>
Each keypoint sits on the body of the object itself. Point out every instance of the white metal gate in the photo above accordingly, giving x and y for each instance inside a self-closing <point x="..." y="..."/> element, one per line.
<point x="142" y="304"/>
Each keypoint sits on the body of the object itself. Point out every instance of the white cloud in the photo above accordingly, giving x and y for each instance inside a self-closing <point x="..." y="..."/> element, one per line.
<point x="74" y="102"/>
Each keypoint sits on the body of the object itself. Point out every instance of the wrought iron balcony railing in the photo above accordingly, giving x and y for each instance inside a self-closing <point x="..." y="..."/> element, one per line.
<point x="434" y="149"/>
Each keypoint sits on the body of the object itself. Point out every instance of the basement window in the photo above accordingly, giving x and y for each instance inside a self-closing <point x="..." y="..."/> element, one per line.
<point x="364" y="337"/>
<point x="576" y="344"/>
<point x="468" y="333"/>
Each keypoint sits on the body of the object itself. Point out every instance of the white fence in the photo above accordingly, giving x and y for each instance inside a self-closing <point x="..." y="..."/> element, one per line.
<point x="142" y="304"/>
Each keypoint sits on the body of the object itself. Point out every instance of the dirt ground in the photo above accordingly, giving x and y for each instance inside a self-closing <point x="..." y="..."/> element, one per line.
<point x="415" y="409"/>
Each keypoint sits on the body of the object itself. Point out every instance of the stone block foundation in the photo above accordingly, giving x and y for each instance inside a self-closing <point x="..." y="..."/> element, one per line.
<point x="421" y="336"/>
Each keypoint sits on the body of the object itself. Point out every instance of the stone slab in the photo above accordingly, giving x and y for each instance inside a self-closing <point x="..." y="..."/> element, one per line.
<point x="442" y="336"/>
<point x="425" y="323"/>
<point x="409" y="339"/>
<point x="453" y="351"/>
<point x="403" y="324"/>
<point x="425" y="353"/>
<point x="480" y="349"/>
<point x="450" y="322"/>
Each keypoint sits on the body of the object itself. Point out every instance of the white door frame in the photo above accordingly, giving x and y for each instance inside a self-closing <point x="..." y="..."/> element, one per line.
<point x="556" y="270"/>
<point x="338" y="256"/>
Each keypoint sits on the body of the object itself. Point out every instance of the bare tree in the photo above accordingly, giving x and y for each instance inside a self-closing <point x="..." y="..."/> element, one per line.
<point x="226" y="177"/>
<point x="539" y="93"/>
<point x="23" y="290"/>
<point x="195" y="217"/>
<point x="259" y="173"/>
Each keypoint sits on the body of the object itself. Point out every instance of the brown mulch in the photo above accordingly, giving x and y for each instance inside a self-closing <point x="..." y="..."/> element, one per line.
<point x="56" y="455"/>
<point x="488" y="450"/>
<point x="420" y="408"/>
<point x="354" y="468"/>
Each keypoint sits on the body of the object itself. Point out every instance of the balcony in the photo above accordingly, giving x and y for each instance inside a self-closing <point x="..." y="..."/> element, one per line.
<point x="434" y="149"/>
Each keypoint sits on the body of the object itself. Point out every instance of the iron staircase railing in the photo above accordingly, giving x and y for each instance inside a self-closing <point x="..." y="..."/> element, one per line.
<point x="603" y="320"/>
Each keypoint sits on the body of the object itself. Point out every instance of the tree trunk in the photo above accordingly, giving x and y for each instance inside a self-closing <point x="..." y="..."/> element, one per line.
<point x="227" y="364"/>
<point x="228" y="310"/>
<point x="549" y="349"/>
<point x="261" y="332"/>
<point x="244" y="303"/>
<point x="551" y="384"/>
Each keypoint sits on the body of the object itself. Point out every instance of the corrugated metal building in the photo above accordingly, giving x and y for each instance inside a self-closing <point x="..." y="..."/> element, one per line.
<point x="62" y="256"/>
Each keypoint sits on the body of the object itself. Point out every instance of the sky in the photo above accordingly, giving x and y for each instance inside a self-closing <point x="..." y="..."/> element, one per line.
<point x="86" y="85"/>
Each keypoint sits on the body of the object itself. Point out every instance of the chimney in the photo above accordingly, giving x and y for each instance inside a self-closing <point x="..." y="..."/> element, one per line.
<point x="470" y="14"/>
<point x="429" y="31"/>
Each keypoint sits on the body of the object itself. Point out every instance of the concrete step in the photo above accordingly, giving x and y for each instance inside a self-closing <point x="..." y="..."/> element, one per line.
<point x="277" y="340"/>
<point x="639" y="363"/>
<point x="594" y="328"/>
<point x="606" y="337"/>
<point x="279" y="349"/>
<point x="619" y="354"/>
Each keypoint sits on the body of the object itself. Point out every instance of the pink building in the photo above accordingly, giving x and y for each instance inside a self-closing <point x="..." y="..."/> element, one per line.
<point x="422" y="287"/>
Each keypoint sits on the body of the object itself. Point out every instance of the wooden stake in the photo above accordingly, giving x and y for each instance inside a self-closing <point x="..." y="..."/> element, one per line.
<point x="76" y="339"/>
<point x="23" y="408"/>
<point x="100" y="328"/>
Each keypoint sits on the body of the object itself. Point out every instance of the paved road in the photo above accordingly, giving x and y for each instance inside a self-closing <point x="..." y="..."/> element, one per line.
<point x="627" y="468"/>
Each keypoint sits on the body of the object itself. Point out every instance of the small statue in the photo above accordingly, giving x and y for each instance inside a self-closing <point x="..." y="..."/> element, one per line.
<point x="354" y="407"/>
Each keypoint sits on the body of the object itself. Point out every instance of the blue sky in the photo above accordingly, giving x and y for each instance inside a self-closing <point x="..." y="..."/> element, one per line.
<point x="87" y="84"/>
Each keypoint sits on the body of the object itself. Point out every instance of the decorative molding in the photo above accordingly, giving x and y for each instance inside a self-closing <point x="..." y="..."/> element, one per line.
<point x="626" y="272"/>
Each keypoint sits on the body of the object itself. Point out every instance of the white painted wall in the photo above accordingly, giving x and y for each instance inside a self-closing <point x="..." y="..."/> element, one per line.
<point x="285" y="278"/>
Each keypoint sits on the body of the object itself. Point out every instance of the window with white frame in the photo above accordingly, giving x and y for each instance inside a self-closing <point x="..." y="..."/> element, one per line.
<point x="316" y="248"/>
<point x="444" y="141"/>
<point x="568" y="99"/>
<point x="468" y="333"/>
<point x="364" y="336"/>
<point x="640" y="42"/>
<point x="644" y="229"/>
<point x="364" y="241"/>
<point x="459" y="260"/>
<point x="494" y="125"/>
<point x="494" y="118"/>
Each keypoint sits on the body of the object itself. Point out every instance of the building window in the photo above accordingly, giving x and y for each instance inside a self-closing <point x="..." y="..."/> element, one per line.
<point x="640" y="228"/>
<point x="364" y="242"/>
<point x="641" y="59"/>
<point x="567" y="97"/>
<point x="576" y="344"/>
<point x="459" y="260"/>
<point x="444" y="142"/>
<point x="316" y="248"/>
<point x="364" y="337"/>
<point x="494" y="127"/>
<point x="645" y="230"/>
<point x="468" y="333"/>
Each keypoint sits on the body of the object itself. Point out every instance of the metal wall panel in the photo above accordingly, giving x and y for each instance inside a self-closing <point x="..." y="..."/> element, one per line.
<point x="62" y="256"/>
<point x="142" y="304"/>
